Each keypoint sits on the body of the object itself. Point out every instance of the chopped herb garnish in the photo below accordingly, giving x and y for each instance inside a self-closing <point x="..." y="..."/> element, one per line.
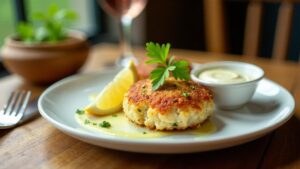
<point x="144" y="132"/>
<point x="193" y="87"/>
<point x="174" y="124"/>
<point x="114" y="115"/>
<point x="143" y="90"/>
<point x="94" y="124"/>
<point x="104" y="124"/>
<point x="80" y="112"/>
<point x="139" y="110"/>
<point x="158" y="54"/>
<point x="185" y="94"/>
<point x="86" y="121"/>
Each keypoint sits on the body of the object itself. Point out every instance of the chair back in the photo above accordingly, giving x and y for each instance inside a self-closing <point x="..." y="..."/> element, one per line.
<point x="215" y="31"/>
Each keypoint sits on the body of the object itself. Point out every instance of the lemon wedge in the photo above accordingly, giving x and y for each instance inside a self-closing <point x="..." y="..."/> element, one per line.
<point x="110" y="99"/>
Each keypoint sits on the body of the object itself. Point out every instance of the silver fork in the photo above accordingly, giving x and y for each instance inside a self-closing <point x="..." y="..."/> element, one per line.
<point x="14" y="109"/>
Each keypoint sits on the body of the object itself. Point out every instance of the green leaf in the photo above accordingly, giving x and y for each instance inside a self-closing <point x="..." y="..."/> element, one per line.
<point x="153" y="50"/>
<point x="41" y="34"/>
<point x="48" y="26"/>
<point x="170" y="62"/>
<point x="158" y="77"/>
<point x="105" y="124"/>
<point x="185" y="94"/>
<point x="39" y="16"/>
<point x="52" y="10"/>
<point x="65" y="15"/>
<point x="182" y="70"/>
<point x="165" y="51"/>
<point x="157" y="52"/>
<point x="151" y="61"/>
<point x="171" y="68"/>
<point x="80" y="112"/>
<point x="25" y="31"/>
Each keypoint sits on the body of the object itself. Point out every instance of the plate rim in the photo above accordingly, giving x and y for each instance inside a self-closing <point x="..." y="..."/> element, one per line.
<point x="153" y="141"/>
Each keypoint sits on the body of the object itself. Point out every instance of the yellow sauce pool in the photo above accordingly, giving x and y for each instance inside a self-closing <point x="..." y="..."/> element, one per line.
<point x="121" y="126"/>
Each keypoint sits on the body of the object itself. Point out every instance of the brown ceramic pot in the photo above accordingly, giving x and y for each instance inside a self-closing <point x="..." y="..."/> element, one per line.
<point x="45" y="63"/>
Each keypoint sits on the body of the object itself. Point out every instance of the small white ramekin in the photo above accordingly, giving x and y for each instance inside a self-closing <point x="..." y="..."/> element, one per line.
<point x="231" y="96"/>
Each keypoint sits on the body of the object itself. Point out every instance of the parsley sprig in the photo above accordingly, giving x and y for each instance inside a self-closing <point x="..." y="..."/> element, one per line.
<point x="105" y="124"/>
<point x="158" y="54"/>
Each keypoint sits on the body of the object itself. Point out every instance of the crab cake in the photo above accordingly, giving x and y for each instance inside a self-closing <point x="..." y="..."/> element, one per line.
<point x="177" y="105"/>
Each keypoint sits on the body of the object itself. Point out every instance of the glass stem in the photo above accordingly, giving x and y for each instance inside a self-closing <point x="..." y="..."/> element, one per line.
<point x="125" y="37"/>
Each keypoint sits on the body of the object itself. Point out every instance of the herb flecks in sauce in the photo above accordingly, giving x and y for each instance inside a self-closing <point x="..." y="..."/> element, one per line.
<point x="105" y="124"/>
<point x="80" y="112"/>
<point x="121" y="127"/>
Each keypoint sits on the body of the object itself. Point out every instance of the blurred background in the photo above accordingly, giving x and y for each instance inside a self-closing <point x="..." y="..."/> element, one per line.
<point x="205" y="25"/>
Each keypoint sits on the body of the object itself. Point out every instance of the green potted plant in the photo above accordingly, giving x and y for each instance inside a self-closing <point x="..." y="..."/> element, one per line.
<point x="43" y="51"/>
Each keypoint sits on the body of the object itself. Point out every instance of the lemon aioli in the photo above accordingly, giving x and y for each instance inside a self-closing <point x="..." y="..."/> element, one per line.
<point x="223" y="76"/>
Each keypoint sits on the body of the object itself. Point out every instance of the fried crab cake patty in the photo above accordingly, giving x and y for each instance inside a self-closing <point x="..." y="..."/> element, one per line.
<point x="177" y="105"/>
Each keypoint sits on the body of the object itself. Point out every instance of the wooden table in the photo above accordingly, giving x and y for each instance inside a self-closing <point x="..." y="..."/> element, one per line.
<point x="37" y="144"/>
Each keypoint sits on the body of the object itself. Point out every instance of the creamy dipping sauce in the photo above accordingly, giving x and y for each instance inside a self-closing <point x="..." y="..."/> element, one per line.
<point x="223" y="76"/>
<point x="120" y="126"/>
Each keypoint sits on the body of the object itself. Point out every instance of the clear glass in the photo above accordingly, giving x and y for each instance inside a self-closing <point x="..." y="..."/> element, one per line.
<point x="124" y="11"/>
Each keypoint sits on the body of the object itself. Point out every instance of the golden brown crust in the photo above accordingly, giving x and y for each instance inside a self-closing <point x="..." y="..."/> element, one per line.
<point x="173" y="94"/>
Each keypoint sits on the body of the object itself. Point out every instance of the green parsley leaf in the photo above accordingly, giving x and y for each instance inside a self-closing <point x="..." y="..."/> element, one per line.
<point x="158" y="77"/>
<point x="105" y="124"/>
<point x="171" y="68"/>
<point x="182" y="70"/>
<point x="152" y="61"/>
<point x="80" y="112"/>
<point x="170" y="62"/>
<point x="165" y="49"/>
<point x="86" y="121"/>
<point x="185" y="94"/>
<point x="158" y="54"/>
<point x="144" y="90"/>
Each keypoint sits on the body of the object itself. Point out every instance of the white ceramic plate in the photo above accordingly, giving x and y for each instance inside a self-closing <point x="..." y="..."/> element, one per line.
<point x="270" y="107"/>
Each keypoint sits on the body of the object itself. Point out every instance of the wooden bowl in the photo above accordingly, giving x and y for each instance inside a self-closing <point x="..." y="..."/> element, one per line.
<point x="45" y="63"/>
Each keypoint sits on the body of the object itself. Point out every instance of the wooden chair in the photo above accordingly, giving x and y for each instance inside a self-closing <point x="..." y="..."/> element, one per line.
<point x="215" y="28"/>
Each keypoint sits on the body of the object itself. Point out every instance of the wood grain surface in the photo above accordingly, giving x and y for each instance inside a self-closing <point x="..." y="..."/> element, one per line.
<point x="37" y="144"/>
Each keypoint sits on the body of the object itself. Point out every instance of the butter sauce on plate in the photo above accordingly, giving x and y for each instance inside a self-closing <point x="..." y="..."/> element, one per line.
<point x="121" y="126"/>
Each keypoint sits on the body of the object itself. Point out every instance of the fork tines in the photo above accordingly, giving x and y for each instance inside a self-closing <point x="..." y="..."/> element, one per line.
<point x="17" y="103"/>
